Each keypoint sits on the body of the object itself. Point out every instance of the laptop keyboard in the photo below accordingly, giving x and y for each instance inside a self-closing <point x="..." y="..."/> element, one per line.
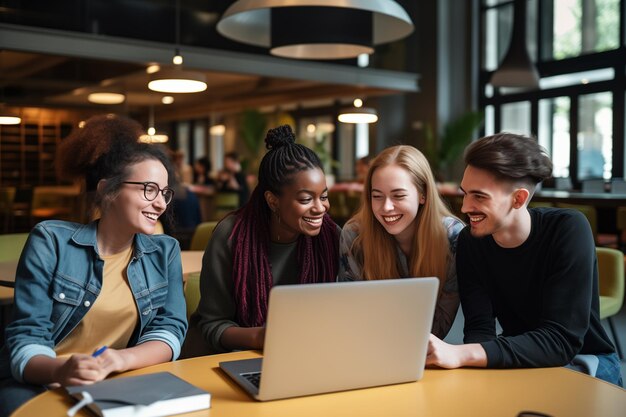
<point x="253" y="377"/>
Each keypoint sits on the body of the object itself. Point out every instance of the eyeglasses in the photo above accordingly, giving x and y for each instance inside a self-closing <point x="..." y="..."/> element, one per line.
<point x="151" y="191"/>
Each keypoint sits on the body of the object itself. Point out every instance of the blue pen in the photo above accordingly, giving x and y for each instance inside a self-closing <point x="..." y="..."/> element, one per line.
<point x="99" y="351"/>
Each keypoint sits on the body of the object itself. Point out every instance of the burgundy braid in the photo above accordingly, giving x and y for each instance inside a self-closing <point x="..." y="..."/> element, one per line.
<point x="252" y="274"/>
<point x="318" y="256"/>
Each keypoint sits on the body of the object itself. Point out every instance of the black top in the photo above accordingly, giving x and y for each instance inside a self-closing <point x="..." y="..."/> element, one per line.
<point x="544" y="293"/>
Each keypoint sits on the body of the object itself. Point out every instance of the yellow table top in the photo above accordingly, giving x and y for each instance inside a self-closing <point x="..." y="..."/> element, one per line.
<point x="446" y="393"/>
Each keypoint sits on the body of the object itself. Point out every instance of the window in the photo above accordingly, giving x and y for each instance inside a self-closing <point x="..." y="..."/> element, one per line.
<point x="581" y="61"/>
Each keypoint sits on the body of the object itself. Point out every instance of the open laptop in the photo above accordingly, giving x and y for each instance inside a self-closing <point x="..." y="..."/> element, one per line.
<point x="340" y="336"/>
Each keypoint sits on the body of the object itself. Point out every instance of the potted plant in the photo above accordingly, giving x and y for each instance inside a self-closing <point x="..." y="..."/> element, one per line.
<point x="443" y="152"/>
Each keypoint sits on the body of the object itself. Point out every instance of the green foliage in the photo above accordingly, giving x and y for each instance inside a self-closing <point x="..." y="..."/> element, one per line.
<point x="444" y="151"/>
<point x="252" y="127"/>
<point x="252" y="130"/>
<point x="321" y="149"/>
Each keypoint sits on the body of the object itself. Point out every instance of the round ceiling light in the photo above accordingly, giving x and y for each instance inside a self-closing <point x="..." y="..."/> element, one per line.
<point x="177" y="81"/>
<point x="106" y="98"/>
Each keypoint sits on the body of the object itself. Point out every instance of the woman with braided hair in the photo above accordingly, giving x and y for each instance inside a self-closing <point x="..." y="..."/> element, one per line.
<point x="109" y="286"/>
<point x="282" y="235"/>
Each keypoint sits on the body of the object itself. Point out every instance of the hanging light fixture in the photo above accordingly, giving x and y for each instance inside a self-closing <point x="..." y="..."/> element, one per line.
<point x="358" y="113"/>
<point x="106" y="97"/>
<point x="151" y="135"/>
<point x="517" y="69"/>
<point x="177" y="80"/>
<point x="9" y="119"/>
<point x="6" y="117"/>
<point x="316" y="29"/>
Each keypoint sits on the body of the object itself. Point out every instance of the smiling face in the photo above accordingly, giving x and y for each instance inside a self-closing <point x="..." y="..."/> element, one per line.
<point x="301" y="206"/>
<point x="395" y="201"/>
<point x="488" y="202"/>
<point x="132" y="211"/>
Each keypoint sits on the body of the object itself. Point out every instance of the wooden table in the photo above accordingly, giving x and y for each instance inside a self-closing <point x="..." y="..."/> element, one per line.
<point x="191" y="260"/>
<point x="558" y="392"/>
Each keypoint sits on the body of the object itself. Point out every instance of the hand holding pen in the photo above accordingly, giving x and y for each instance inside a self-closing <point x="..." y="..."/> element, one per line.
<point x="99" y="352"/>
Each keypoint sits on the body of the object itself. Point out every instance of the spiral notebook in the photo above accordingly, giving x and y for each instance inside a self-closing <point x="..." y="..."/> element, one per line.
<point x="150" y="395"/>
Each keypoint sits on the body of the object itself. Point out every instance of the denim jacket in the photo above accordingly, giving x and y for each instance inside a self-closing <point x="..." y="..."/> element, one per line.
<point x="59" y="276"/>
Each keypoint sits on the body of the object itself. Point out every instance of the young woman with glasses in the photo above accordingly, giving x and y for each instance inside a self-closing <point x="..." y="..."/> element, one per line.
<point x="108" y="283"/>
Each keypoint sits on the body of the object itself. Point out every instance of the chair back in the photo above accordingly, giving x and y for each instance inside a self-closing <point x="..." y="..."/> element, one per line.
<point x="593" y="186"/>
<point x="192" y="292"/>
<point x="202" y="235"/>
<point x="618" y="186"/>
<point x="7" y="196"/>
<point x="611" y="281"/>
<point x="11" y="246"/>
<point x="225" y="202"/>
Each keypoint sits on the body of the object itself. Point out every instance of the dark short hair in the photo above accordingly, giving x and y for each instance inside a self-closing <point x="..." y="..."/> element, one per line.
<point x="510" y="157"/>
<point x="232" y="155"/>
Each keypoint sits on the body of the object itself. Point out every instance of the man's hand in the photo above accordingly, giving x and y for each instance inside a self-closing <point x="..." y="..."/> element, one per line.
<point x="449" y="356"/>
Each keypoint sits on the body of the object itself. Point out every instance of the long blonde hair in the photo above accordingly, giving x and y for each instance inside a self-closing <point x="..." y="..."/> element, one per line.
<point x="376" y="249"/>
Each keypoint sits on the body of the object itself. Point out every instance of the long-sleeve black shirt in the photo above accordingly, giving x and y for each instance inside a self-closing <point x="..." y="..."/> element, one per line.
<point x="544" y="293"/>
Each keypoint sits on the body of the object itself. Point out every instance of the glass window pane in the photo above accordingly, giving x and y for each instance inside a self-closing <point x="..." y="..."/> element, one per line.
<point x="585" y="26"/>
<point x="577" y="78"/>
<point x="554" y="133"/>
<point x="595" y="136"/>
<point x="490" y="115"/>
<point x="498" y="25"/>
<point x="516" y="118"/>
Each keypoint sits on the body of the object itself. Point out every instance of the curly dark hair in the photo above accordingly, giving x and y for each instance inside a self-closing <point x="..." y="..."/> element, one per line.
<point x="104" y="148"/>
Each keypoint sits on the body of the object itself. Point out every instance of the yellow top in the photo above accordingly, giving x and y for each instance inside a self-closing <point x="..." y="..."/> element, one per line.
<point x="112" y="317"/>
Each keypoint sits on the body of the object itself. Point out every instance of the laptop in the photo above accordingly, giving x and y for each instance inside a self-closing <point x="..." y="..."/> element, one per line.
<point x="340" y="336"/>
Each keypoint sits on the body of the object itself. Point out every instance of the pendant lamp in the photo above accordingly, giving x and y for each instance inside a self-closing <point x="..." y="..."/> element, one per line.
<point x="151" y="135"/>
<point x="358" y="114"/>
<point x="517" y="69"/>
<point x="316" y="29"/>
<point x="177" y="80"/>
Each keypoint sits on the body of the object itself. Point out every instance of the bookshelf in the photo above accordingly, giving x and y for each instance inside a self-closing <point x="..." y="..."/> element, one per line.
<point x="27" y="151"/>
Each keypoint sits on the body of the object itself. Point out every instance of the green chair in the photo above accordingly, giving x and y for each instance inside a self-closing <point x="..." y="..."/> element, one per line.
<point x="535" y="204"/>
<point x="611" y="282"/>
<point x="11" y="246"/>
<point x="202" y="235"/>
<point x="7" y="196"/>
<point x="192" y="292"/>
<point x="225" y="202"/>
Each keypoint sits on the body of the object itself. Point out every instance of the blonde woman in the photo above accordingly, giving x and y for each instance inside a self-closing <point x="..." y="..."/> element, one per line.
<point x="403" y="229"/>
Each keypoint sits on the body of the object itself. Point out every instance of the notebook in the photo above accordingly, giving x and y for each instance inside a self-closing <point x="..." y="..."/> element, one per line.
<point x="149" y="395"/>
<point x="340" y="336"/>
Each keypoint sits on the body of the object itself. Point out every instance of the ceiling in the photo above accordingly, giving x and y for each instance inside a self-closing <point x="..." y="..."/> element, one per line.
<point x="41" y="80"/>
<point x="53" y="54"/>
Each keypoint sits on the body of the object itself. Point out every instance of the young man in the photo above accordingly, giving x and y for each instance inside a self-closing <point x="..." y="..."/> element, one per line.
<point x="534" y="270"/>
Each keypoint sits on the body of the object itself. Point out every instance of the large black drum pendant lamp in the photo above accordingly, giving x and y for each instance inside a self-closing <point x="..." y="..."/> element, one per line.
<point x="316" y="29"/>
<point x="517" y="69"/>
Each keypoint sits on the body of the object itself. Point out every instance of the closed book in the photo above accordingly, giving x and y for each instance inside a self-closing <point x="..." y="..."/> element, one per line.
<point x="150" y="395"/>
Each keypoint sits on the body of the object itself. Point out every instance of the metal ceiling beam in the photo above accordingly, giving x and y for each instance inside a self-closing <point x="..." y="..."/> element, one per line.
<point x="85" y="45"/>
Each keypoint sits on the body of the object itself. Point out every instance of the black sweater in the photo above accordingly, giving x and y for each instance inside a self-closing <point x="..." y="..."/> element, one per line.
<point x="544" y="293"/>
